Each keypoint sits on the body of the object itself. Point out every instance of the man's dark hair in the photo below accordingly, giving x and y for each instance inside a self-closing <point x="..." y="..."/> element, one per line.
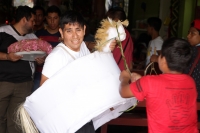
<point x="155" y="22"/>
<point x="53" y="9"/>
<point x="72" y="17"/>
<point x="23" y="11"/>
<point x="2" y="18"/>
<point x="178" y="53"/>
<point x="116" y="12"/>
<point x="35" y="8"/>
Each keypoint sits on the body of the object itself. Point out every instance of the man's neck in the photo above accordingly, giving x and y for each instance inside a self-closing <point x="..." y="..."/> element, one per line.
<point x="19" y="29"/>
<point x="38" y="27"/>
<point x="52" y="31"/>
<point x="154" y="35"/>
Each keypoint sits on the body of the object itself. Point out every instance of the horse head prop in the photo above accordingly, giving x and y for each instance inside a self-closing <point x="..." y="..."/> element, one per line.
<point x="109" y="31"/>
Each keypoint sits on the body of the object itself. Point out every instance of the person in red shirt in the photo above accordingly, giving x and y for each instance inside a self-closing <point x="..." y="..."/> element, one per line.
<point x="171" y="96"/>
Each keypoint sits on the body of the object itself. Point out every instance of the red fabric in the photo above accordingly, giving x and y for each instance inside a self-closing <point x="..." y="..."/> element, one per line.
<point x="197" y="24"/>
<point x="170" y="102"/>
<point x="127" y="52"/>
<point x="50" y="38"/>
<point x="39" y="68"/>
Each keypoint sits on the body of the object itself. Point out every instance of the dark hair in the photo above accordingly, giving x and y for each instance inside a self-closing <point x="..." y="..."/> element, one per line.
<point x="155" y="22"/>
<point x="116" y="12"/>
<point x="53" y="9"/>
<point x="71" y="17"/>
<point x="23" y="11"/>
<point x="178" y="53"/>
<point x="2" y="18"/>
<point x="35" y="8"/>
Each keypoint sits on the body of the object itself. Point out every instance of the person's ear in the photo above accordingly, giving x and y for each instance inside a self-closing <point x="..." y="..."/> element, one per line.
<point x="24" y="20"/>
<point x="61" y="33"/>
<point x="163" y="63"/>
<point x="151" y="28"/>
<point x="84" y="28"/>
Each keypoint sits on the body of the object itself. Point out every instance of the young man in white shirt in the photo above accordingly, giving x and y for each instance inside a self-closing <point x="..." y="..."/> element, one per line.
<point x="72" y="30"/>
<point x="154" y="47"/>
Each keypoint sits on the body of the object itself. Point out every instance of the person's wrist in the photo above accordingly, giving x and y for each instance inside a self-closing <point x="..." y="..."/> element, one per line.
<point x="7" y="57"/>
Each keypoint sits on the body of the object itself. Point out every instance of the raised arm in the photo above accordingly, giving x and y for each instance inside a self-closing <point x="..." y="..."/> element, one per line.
<point x="125" y="90"/>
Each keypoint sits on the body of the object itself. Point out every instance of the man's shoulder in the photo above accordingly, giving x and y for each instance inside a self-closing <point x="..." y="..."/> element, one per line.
<point x="7" y="29"/>
<point x="31" y="36"/>
<point x="158" y="39"/>
<point x="84" y="48"/>
<point x="4" y="27"/>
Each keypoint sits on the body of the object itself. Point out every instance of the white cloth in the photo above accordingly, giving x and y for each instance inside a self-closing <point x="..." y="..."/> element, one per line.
<point x="154" y="45"/>
<point x="59" y="58"/>
<point x="81" y="91"/>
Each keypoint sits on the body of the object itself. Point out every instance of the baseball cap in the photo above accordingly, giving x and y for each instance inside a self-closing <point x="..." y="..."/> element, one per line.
<point x="196" y="24"/>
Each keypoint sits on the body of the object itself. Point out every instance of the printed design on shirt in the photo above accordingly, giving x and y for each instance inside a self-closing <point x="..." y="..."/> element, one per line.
<point x="179" y="111"/>
<point x="149" y="51"/>
<point x="139" y="87"/>
<point x="155" y="51"/>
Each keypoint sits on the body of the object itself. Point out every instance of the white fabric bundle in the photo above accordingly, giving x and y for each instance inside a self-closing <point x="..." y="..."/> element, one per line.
<point x="82" y="91"/>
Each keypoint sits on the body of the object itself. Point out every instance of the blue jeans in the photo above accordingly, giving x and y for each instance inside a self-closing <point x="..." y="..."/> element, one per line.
<point x="36" y="81"/>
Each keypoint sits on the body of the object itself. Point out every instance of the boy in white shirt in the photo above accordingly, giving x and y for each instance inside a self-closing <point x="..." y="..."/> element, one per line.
<point x="154" y="47"/>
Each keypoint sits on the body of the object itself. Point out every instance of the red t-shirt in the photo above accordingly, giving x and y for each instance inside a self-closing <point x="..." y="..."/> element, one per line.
<point x="170" y="102"/>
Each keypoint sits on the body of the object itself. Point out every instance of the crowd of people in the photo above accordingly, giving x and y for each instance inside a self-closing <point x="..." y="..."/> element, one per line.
<point x="178" y="87"/>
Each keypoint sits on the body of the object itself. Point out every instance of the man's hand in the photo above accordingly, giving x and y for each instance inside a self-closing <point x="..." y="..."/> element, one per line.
<point x="112" y="45"/>
<point x="40" y="61"/>
<point x="13" y="57"/>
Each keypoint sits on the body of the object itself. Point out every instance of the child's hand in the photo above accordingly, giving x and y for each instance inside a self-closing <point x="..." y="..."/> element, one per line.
<point x="112" y="45"/>
<point x="124" y="74"/>
<point x="135" y="76"/>
<point x="154" y="58"/>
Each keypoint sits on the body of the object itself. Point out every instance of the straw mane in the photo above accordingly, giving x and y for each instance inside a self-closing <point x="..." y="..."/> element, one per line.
<point x="102" y="34"/>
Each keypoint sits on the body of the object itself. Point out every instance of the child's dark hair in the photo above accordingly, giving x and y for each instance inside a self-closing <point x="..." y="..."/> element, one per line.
<point x="155" y="22"/>
<point x="53" y="9"/>
<point x="24" y="11"/>
<point x="177" y="53"/>
<point x="72" y="17"/>
<point x="117" y="12"/>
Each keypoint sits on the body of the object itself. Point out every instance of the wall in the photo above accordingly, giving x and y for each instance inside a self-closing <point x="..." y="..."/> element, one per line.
<point x="186" y="15"/>
<point x="161" y="9"/>
<point x="163" y="15"/>
<point x="152" y="9"/>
